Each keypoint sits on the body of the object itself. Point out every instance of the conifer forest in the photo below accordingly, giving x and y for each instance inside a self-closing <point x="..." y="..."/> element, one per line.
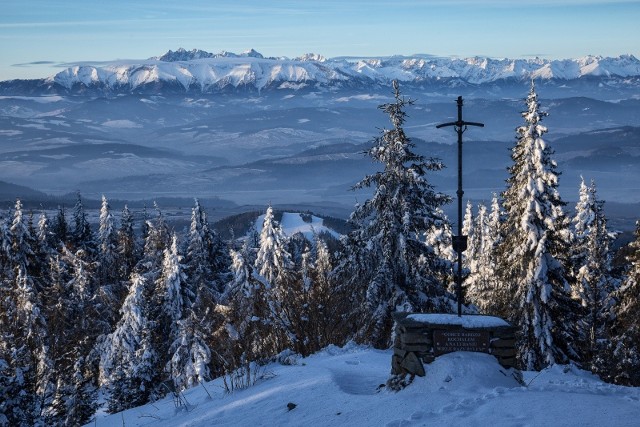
<point x="123" y="311"/>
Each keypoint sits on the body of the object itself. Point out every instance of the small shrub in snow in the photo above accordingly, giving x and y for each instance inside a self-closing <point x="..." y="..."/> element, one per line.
<point x="288" y="357"/>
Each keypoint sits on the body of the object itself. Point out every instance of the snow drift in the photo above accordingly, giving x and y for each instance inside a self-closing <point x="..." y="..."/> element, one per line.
<point x="342" y="386"/>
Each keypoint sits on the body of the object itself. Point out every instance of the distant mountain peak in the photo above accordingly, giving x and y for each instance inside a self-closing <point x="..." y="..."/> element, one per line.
<point x="251" y="53"/>
<point x="311" y="57"/>
<point x="226" y="54"/>
<point x="181" y="54"/>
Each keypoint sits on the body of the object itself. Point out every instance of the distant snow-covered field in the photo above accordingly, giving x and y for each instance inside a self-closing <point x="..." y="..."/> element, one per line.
<point x="293" y="223"/>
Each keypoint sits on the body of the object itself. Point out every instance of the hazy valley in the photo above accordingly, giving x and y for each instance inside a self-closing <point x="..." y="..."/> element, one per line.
<point x="263" y="141"/>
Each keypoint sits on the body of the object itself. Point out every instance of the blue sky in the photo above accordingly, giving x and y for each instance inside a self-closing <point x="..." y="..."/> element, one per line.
<point x="38" y="37"/>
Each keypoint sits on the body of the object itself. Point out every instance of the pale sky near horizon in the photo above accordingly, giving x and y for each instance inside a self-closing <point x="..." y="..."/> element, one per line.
<point x="38" y="38"/>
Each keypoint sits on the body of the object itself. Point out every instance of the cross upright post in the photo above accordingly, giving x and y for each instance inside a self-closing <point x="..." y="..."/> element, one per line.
<point x="459" y="242"/>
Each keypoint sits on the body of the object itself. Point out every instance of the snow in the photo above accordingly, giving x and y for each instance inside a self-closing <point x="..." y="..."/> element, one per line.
<point x="221" y="71"/>
<point x="341" y="386"/>
<point x="45" y="99"/>
<point x="293" y="223"/>
<point x="466" y="321"/>
<point x="34" y="126"/>
<point x="121" y="124"/>
<point x="363" y="97"/>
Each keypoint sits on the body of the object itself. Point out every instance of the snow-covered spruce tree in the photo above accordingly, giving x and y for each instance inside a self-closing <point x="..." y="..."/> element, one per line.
<point x="107" y="244"/>
<point x="76" y="323"/>
<point x="190" y="353"/>
<point x="23" y="323"/>
<point x="60" y="226"/>
<point x="157" y="238"/>
<point x="592" y="257"/>
<point x="128" y="252"/>
<point x="295" y="302"/>
<point x="396" y="270"/>
<point x="144" y="227"/>
<point x="166" y="294"/>
<point x="81" y="297"/>
<point x="484" y="290"/>
<point x="38" y="265"/>
<point x="82" y="236"/>
<point x="46" y="239"/>
<point x="533" y="253"/>
<point x="326" y="304"/>
<point x="468" y="229"/>
<point x="248" y="307"/>
<point x="206" y="265"/>
<point x="173" y="291"/>
<point x="110" y="290"/>
<point x="178" y="325"/>
<point x="439" y="237"/>
<point x="153" y="344"/>
<point x="218" y="255"/>
<point x="298" y="246"/>
<point x="23" y="242"/>
<point x="128" y="360"/>
<point x="24" y="350"/>
<point x="197" y="263"/>
<point x="479" y="260"/>
<point x="273" y="260"/>
<point x="55" y="308"/>
<point x="75" y="402"/>
<point x="624" y="350"/>
<point x="274" y="270"/>
<point x="475" y="229"/>
<point x="490" y="294"/>
<point x="246" y="336"/>
<point x="23" y="252"/>
<point x="46" y="248"/>
<point x="253" y="237"/>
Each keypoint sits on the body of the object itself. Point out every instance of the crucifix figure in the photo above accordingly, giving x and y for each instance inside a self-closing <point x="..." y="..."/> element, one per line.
<point x="459" y="242"/>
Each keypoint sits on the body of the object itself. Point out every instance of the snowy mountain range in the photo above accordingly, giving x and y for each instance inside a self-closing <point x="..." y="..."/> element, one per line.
<point x="200" y="71"/>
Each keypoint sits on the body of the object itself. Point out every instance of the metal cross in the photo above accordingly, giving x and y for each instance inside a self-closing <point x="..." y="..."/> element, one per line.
<point x="459" y="242"/>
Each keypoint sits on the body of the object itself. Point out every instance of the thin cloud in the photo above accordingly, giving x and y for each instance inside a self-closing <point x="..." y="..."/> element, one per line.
<point x="34" y="63"/>
<point x="66" y="23"/>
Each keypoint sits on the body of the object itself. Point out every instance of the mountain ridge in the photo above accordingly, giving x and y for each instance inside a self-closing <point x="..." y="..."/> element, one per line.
<point x="203" y="72"/>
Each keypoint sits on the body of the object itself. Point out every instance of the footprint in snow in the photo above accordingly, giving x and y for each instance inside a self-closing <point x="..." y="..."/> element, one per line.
<point x="417" y="415"/>
<point x="358" y="383"/>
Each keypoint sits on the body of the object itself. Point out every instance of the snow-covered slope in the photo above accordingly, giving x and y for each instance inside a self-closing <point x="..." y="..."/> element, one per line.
<point x="341" y="387"/>
<point x="198" y="70"/>
<point x="293" y="223"/>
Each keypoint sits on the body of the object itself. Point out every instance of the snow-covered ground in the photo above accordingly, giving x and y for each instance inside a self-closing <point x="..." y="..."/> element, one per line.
<point x="293" y="223"/>
<point x="342" y="386"/>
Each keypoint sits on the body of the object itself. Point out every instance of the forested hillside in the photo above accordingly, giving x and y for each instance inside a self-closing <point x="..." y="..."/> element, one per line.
<point x="120" y="314"/>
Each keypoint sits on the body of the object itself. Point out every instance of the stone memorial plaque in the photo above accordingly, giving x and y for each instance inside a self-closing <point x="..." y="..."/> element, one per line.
<point x="460" y="340"/>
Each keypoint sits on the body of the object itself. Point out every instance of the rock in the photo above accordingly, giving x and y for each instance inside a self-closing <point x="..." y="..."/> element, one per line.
<point x="413" y="364"/>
